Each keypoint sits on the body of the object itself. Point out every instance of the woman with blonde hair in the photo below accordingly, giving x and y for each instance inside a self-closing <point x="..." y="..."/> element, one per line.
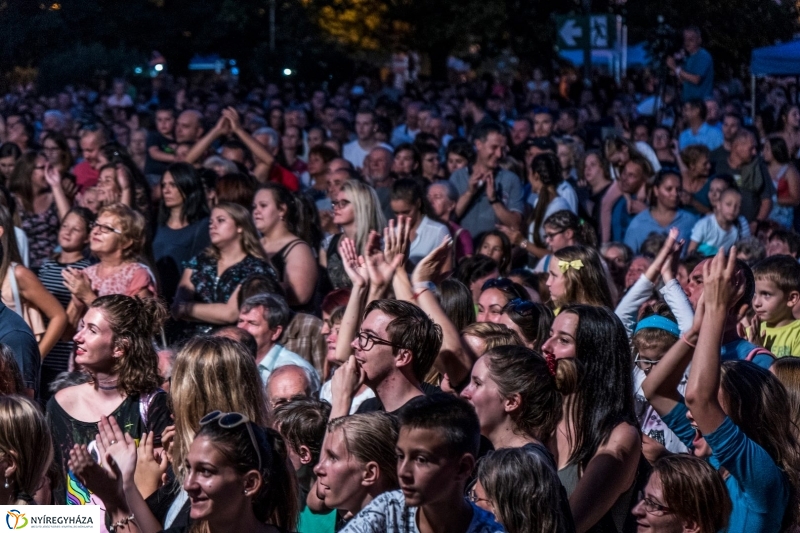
<point x="208" y="290"/>
<point x="26" y="449"/>
<point x="117" y="240"/>
<point x="357" y="211"/>
<point x="358" y="462"/>
<point x="577" y="276"/>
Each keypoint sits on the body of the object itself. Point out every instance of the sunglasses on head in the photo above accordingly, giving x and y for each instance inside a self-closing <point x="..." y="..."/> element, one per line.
<point x="521" y="307"/>
<point x="503" y="285"/>
<point x="232" y="420"/>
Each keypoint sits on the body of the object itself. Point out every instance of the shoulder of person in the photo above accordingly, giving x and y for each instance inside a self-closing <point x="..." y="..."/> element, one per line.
<point x="507" y="175"/>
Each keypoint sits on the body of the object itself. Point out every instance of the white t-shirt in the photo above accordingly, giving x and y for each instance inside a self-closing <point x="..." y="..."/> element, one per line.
<point x="326" y="394"/>
<point x="556" y="204"/>
<point x="353" y="152"/>
<point x="711" y="237"/>
<point x="388" y="513"/>
<point x="430" y="234"/>
<point x="649" y="421"/>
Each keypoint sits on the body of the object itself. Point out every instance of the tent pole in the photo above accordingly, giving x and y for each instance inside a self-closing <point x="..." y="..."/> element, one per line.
<point x="753" y="98"/>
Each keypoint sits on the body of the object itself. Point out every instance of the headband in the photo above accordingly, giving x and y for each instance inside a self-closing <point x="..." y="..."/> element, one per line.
<point x="659" y="322"/>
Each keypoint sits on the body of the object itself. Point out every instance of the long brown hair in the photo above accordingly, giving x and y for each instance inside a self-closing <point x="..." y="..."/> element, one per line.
<point x="9" y="250"/>
<point x="135" y="322"/>
<point x="25" y="436"/>
<point x="548" y="169"/>
<point x="587" y="284"/>
<point x="20" y="182"/>
<point x="248" y="238"/>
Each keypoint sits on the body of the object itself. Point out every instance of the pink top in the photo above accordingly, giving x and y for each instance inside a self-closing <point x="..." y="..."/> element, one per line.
<point x="128" y="279"/>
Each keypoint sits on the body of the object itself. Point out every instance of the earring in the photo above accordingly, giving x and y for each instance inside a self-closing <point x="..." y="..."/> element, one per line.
<point x="6" y="485"/>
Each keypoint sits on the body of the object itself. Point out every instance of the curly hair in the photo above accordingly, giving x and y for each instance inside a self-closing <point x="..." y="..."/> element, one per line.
<point x="134" y="323"/>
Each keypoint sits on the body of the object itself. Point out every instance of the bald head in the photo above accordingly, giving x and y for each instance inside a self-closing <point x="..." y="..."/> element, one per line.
<point x="286" y="382"/>
<point x="189" y="126"/>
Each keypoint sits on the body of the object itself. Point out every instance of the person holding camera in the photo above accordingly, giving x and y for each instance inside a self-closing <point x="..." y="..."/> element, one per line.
<point x="697" y="71"/>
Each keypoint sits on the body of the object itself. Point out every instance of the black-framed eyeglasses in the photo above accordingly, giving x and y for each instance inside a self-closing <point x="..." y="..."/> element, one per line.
<point x="340" y="204"/>
<point x="553" y="235"/>
<point x="232" y="420"/>
<point x="472" y="496"/>
<point x="521" y="307"/>
<point x="652" y="506"/>
<point x="366" y="341"/>
<point x="105" y="230"/>
<point x="645" y="364"/>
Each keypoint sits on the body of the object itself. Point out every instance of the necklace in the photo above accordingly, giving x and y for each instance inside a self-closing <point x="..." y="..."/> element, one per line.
<point x="107" y="385"/>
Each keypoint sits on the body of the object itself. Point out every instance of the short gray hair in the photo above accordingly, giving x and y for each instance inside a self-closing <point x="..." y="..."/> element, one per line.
<point x="276" y="310"/>
<point x="274" y="138"/>
<point x="452" y="192"/>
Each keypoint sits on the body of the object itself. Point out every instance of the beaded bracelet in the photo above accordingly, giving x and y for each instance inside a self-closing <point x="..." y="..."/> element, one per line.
<point x="124" y="522"/>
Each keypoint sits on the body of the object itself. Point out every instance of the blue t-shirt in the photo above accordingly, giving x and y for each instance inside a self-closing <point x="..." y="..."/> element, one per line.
<point x="620" y="220"/>
<point x="739" y="349"/>
<point x="758" y="488"/>
<point x="706" y="135"/>
<point x="17" y="335"/>
<point x="644" y="224"/>
<point x="700" y="64"/>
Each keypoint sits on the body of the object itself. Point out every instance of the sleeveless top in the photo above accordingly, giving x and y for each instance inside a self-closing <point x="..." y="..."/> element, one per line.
<point x="336" y="274"/>
<point x="618" y="519"/>
<point x="278" y="261"/>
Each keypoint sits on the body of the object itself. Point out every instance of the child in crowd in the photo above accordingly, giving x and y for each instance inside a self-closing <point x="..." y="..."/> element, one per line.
<point x="722" y="228"/>
<point x="436" y="449"/>
<point x="783" y="242"/>
<point x="303" y="423"/>
<point x="777" y="292"/>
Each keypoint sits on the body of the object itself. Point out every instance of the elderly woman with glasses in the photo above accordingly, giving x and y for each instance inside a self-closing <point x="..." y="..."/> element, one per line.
<point x="116" y="239"/>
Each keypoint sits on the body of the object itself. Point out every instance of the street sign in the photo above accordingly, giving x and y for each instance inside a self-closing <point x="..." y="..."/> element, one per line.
<point x="578" y="32"/>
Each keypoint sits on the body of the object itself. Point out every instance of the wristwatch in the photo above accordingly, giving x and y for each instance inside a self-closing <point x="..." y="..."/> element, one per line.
<point x="496" y="200"/>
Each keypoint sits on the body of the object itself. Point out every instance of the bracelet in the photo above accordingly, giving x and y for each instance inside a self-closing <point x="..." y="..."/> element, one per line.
<point x="418" y="294"/>
<point x="524" y="245"/>
<point x="124" y="522"/>
<point x="683" y="338"/>
<point x="427" y="285"/>
<point x="496" y="200"/>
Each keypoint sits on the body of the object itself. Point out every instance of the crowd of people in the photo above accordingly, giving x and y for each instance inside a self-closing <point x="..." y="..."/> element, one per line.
<point x="522" y="307"/>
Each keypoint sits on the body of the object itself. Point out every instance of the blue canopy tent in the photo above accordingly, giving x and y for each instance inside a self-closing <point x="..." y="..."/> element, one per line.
<point x="779" y="60"/>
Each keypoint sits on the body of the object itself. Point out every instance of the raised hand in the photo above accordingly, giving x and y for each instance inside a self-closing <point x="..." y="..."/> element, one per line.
<point x="396" y="238"/>
<point x="104" y="480"/>
<point x="233" y="118"/>
<point x="52" y="176"/>
<point x="515" y="236"/>
<point x="347" y="379"/>
<point x="354" y="265"/>
<point x="379" y="270"/>
<point x="151" y="465"/>
<point x="722" y="287"/>
<point x="77" y="282"/>
<point x="434" y="265"/>
<point x="117" y="448"/>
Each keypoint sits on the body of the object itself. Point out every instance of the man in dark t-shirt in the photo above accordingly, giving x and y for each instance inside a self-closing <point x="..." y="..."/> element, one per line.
<point x="394" y="351"/>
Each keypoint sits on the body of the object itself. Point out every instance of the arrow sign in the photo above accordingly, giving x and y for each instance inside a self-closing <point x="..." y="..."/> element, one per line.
<point x="569" y="32"/>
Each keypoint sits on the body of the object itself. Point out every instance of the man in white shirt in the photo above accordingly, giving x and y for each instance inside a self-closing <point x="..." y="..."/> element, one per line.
<point x="265" y="316"/>
<point x="356" y="151"/>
